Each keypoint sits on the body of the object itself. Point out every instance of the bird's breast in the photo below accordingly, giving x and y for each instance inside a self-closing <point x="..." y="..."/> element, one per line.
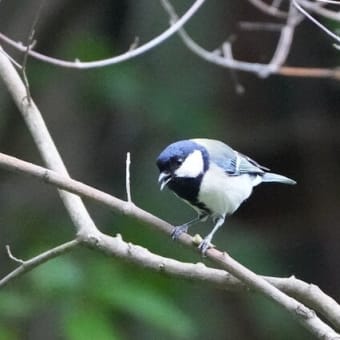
<point x="223" y="194"/>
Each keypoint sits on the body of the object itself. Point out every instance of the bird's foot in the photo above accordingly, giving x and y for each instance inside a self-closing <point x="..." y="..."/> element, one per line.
<point x="205" y="245"/>
<point x="178" y="231"/>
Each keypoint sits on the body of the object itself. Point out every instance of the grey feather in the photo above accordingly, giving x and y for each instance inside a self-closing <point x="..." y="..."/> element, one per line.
<point x="233" y="163"/>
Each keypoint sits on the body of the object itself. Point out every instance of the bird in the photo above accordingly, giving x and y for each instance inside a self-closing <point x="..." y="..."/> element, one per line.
<point x="212" y="178"/>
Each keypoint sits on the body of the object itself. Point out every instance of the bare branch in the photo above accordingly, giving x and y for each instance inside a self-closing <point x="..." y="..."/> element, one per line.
<point x="131" y="53"/>
<point x="28" y="265"/>
<point x="269" y="9"/>
<point x="12" y="257"/>
<point x="29" y="45"/>
<point x="215" y="57"/>
<point x="13" y="61"/>
<point x="117" y="247"/>
<point x="316" y="22"/>
<point x="127" y="181"/>
<point x="285" y="41"/>
<point x="43" y="140"/>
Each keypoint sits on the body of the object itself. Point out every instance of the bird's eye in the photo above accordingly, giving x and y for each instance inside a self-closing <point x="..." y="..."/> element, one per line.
<point x="176" y="162"/>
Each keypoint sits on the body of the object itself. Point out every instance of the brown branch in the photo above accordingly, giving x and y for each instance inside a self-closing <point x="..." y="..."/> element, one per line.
<point x="118" y="248"/>
<point x="131" y="53"/>
<point x="262" y="70"/>
<point x="28" y="265"/>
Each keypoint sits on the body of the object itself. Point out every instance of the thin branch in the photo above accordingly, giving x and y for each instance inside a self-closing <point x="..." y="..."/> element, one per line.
<point x="319" y="9"/>
<point x="316" y="22"/>
<point x="29" y="45"/>
<point x="33" y="118"/>
<point x="117" y="59"/>
<point x="257" y="68"/>
<point x="333" y="2"/>
<point x="285" y="40"/>
<point x="12" y="257"/>
<point x="309" y="72"/>
<point x="13" y="61"/>
<point x="269" y="9"/>
<point x="32" y="263"/>
<point x="127" y="180"/>
<point x="260" y="26"/>
<point x="116" y="247"/>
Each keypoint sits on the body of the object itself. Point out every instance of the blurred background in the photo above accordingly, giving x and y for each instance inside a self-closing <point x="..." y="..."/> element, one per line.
<point x="96" y="116"/>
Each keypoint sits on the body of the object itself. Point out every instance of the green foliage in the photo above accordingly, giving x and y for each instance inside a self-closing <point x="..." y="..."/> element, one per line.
<point x="87" y="323"/>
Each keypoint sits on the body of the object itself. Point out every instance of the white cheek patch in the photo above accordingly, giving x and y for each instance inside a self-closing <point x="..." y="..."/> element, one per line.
<point x="192" y="166"/>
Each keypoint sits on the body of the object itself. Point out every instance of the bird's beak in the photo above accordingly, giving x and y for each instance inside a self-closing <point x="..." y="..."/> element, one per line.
<point x="164" y="178"/>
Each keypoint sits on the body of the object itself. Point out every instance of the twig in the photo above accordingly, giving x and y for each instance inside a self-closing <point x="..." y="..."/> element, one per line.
<point x="127" y="181"/>
<point x="12" y="257"/>
<point x="114" y="60"/>
<point x="333" y="2"/>
<point x="285" y="41"/>
<point x="228" y="53"/>
<point x="269" y="9"/>
<point x="121" y="249"/>
<point x="244" y="66"/>
<point x="316" y="22"/>
<point x="36" y="261"/>
<point x="261" y="26"/>
<point x="13" y="61"/>
<point x="317" y="7"/>
<point x="29" y="45"/>
<point x="32" y="116"/>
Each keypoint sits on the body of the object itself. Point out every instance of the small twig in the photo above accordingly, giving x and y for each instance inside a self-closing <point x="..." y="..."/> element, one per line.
<point x="117" y="59"/>
<point x="285" y="41"/>
<point x="29" y="44"/>
<point x="260" y="26"/>
<point x="318" y="8"/>
<point x="134" y="44"/>
<point x="316" y="22"/>
<point x="256" y="68"/>
<point x="12" y="257"/>
<point x="228" y="53"/>
<point x="28" y="265"/>
<point x="13" y="61"/>
<point x="333" y="2"/>
<point x="276" y="3"/>
<point x="268" y="9"/>
<point x="127" y="181"/>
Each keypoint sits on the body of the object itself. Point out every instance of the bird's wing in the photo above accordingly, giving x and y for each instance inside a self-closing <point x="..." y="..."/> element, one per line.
<point x="231" y="161"/>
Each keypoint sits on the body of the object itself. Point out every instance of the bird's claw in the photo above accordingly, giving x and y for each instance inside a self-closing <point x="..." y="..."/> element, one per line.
<point x="205" y="245"/>
<point x="178" y="231"/>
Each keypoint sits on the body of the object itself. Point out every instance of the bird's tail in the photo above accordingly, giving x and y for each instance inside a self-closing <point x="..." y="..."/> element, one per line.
<point x="270" y="177"/>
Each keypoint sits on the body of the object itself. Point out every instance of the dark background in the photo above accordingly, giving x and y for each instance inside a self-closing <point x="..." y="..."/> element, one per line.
<point x="96" y="116"/>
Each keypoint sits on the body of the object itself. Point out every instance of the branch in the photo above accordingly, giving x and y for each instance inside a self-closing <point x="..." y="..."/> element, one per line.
<point x="116" y="247"/>
<point x="269" y="9"/>
<point x="89" y="234"/>
<point x="127" y="179"/>
<point x="316" y="22"/>
<point x="36" y="261"/>
<point x="131" y="53"/>
<point x="285" y="40"/>
<point x="262" y="70"/>
<point x="35" y="123"/>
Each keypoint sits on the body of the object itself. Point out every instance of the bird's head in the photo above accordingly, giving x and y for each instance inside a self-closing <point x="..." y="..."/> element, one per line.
<point x="183" y="159"/>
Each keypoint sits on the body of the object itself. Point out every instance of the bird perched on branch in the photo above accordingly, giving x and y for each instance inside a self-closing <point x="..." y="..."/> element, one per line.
<point x="212" y="178"/>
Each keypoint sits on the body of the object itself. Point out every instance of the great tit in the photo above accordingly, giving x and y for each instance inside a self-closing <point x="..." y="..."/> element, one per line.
<point x="212" y="178"/>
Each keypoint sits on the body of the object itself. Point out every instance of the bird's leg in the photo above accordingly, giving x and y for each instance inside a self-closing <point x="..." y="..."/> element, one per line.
<point x="206" y="243"/>
<point x="184" y="227"/>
